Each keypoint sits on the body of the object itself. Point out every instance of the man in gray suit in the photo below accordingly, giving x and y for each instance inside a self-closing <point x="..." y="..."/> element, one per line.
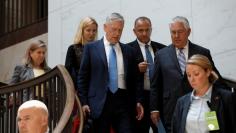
<point x="169" y="80"/>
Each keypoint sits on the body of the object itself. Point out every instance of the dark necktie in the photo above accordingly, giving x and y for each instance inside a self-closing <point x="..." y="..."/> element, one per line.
<point x="113" y="73"/>
<point x="149" y="60"/>
<point x="182" y="60"/>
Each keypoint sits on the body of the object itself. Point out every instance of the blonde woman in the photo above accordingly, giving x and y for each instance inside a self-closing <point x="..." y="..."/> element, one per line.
<point x="34" y="64"/>
<point x="87" y="32"/>
<point x="208" y="108"/>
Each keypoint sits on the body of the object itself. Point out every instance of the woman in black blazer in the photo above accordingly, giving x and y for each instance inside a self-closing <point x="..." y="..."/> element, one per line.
<point x="191" y="109"/>
<point x="87" y="32"/>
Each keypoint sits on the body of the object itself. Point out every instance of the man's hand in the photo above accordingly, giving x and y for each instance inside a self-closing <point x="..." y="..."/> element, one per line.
<point x="155" y="117"/>
<point x="140" y="111"/>
<point x="143" y="66"/>
<point x="86" y="110"/>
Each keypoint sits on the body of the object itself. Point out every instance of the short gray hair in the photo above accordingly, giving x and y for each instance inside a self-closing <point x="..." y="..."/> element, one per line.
<point x="114" y="17"/>
<point x="33" y="104"/>
<point x="142" y="18"/>
<point x="181" y="19"/>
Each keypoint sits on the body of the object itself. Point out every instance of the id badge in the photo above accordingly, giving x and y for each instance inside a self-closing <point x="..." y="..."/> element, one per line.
<point x="212" y="122"/>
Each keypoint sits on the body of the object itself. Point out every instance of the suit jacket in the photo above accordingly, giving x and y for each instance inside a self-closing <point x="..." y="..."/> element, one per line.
<point x="222" y="102"/>
<point x="24" y="72"/>
<point x="139" y="56"/>
<point x="168" y="83"/>
<point x="93" y="76"/>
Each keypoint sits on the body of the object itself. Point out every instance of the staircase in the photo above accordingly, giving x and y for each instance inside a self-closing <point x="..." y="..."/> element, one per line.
<point x="55" y="88"/>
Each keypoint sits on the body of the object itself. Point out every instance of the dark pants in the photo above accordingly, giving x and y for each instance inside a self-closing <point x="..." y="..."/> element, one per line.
<point x="143" y="125"/>
<point x="115" y="114"/>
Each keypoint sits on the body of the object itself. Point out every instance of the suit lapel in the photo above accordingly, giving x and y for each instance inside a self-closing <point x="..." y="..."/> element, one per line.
<point x="101" y="51"/>
<point x="185" y="111"/>
<point x="154" y="48"/>
<point x="191" y="50"/>
<point x="125" y="60"/>
<point x="174" y="57"/>
<point x="139" y="52"/>
<point x="29" y="72"/>
<point x="215" y="100"/>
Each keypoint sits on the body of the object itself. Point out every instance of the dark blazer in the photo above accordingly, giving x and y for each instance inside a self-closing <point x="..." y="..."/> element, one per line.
<point x="139" y="56"/>
<point x="168" y="83"/>
<point x="93" y="76"/>
<point x="24" y="72"/>
<point x="144" y="125"/>
<point x="73" y="59"/>
<point x="222" y="102"/>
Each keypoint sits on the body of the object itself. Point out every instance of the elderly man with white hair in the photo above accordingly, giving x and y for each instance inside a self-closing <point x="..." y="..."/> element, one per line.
<point x="32" y="117"/>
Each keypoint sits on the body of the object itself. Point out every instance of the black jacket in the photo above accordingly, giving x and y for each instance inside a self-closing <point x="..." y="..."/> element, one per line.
<point x="222" y="101"/>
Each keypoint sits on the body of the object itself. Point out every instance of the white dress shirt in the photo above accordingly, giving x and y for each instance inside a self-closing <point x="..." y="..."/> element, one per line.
<point x="185" y="51"/>
<point x="120" y="62"/>
<point x="146" y="74"/>
<point x="195" y="121"/>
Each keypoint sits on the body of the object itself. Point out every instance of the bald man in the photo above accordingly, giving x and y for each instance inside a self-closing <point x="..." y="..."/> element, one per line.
<point x="32" y="117"/>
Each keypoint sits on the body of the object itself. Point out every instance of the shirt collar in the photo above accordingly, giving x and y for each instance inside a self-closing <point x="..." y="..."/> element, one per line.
<point x="143" y="44"/>
<point x="106" y="42"/>
<point x="207" y="95"/>
<point x="47" y="130"/>
<point x="184" y="48"/>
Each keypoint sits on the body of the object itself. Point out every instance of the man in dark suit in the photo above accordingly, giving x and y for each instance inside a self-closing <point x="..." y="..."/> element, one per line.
<point x="169" y="80"/>
<point x="107" y="80"/>
<point x="142" y="30"/>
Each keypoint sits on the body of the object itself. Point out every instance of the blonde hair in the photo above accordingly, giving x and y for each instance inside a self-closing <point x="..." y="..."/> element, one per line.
<point x="35" y="44"/>
<point x="83" y="24"/>
<point x="203" y="62"/>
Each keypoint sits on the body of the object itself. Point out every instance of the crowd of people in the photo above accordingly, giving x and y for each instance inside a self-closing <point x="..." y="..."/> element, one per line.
<point x="130" y="88"/>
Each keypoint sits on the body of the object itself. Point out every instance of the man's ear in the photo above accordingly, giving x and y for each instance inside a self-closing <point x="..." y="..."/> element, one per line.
<point x="189" y="31"/>
<point x="45" y="121"/>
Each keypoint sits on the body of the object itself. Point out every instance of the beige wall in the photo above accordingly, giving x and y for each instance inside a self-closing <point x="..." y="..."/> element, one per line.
<point x="11" y="56"/>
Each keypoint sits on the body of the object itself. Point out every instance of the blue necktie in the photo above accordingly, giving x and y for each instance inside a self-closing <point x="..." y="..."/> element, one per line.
<point x="149" y="60"/>
<point x="113" y="73"/>
<point x="182" y="60"/>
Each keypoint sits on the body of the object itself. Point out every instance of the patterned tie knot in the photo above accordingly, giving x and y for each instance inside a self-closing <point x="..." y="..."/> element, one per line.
<point x="146" y="46"/>
<point x="181" y="50"/>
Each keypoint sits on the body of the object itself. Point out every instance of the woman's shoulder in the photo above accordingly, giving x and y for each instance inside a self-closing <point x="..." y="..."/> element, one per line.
<point x="222" y="90"/>
<point x="20" y="67"/>
<point x="73" y="46"/>
<point x="226" y="95"/>
<point x="185" y="97"/>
